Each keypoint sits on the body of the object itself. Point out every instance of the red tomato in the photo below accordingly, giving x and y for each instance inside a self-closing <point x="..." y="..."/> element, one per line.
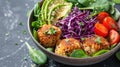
<point x="114" y="37"/>
<point x="110" y="23"/>
<point x="101" y="16"/>
<point x="100" y="29"/>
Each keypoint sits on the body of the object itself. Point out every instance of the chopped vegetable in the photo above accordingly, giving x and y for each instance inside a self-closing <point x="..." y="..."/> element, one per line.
<point x="77" y="24"/>
<point x="37" y="56"/>
<point x="101" y="16"/>
<point x="100" y="30"/>
<point x="114" y="37"/>
<point x="100" y="52"/>
<point x="78" y="54"/>
<point x="110" y="23"/>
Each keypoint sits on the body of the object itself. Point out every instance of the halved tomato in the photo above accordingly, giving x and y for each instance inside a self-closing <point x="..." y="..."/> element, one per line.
<point x="114" y="37"/>
<point x="110" y="23"/>
<point x="100" y="29"/>
<point x="101" y="16"/>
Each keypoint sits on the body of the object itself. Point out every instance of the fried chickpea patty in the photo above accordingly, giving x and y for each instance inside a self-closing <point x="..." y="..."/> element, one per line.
<point x="95" y="43"/>
<point x="66" y="46"/>
<point x="49" y="40"/>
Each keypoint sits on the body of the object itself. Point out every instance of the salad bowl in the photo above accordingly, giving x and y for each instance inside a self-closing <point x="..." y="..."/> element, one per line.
<point x="69" y="60"/>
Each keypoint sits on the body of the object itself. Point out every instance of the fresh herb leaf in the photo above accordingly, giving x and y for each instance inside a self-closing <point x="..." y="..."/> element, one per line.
<point x="78" y="54"/>
<point x="51" y="31"/>
<point x="98" y="40"/>
<point x="118" y="55"/>
<point x="100" y="52"/>
<point x="37" y="56"/>
<point x="81" y="23"/>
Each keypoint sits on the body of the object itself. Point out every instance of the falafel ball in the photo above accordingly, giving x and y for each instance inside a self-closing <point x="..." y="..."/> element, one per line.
<point x="66" y="46"/>
<point x="95" y="43"/>
<point x="48" y="35"/>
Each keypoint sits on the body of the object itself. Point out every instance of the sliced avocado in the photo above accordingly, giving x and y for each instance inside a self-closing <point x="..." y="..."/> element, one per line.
<point x="61" y="11"/>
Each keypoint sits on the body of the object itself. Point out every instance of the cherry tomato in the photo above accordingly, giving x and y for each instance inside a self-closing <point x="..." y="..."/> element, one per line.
<point x="101" y="16"/>
<point x="114" y="37"/>
<point x="110" y="23"/>
<point x="100" y="29"/>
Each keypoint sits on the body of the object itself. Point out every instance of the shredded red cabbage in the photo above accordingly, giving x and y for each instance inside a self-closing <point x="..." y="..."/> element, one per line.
<point x="77" y="24"/>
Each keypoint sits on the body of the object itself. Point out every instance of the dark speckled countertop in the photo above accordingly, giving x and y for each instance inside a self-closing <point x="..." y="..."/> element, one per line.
<point x="13" y="34"/>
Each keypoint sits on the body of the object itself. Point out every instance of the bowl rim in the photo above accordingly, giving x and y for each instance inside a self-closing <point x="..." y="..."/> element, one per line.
<point x="72" y="58"/>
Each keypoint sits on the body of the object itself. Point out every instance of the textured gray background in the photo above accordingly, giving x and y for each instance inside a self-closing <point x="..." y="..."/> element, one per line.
<point x="12" y="12"/>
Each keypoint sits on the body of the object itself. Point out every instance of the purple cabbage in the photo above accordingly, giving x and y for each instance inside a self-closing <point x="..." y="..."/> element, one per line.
<point x="77" y="24"/>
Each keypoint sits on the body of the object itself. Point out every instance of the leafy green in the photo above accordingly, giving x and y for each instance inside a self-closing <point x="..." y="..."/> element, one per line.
<point x="118" y="55"/>
<point x="116" y="14"/>
<point x="50" y="49"/>
<point x="35" y="35"/>
<point x="37" y="9"/>
<point x="97" y="6"/>
<point x="112" y="46"/>
<point x="116" y="1"/>
<point x="37" y="24"/>
<point x="37" y="56"/>
<point x="100" y="52"/>
<point x="78" y="54"/>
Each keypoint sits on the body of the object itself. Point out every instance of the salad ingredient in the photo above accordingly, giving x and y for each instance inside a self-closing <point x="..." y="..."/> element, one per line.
<point x="37" y="56"/>
<point x="96" y="5"/>
<point x="51" y="31"/>
<point x="112" y="46"/>
<point x="47" y="36"/>
<point x="49" y="14"/>
<point x="101" y="16"/>
<point x="36" y="24"/>
<point x="50" y="49"/>
<point x="114" y="37"/>
<point x="54" y="13"/>
<point x="77" y="24"/>
<point x="67" y="46"/>
<point x="35" y="35"/>
<point x="116" y="14"/>
<point x="116" y="1"/>
<point x="100" y="52"/>
<point x="110" y="23"/>
<point x="37" y="9"/>
<point x="78" y="54"/>
<point x="90" y="46"/>
<point x="100" y="29"/>
<point x="118" y="55"/>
